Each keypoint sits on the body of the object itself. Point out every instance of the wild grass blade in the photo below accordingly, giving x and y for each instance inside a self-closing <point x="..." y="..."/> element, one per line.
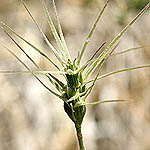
<point x="107" y="101"/>
<point x="99" y="70"/>
<point x="106" y="51"/>
<point x="82" y="103"/>
<point x="96" y="63"/>
<point x="91" y="32"/>
<point x="40" y="30"/>
<point x="35" y="48"/>
<point x="118" y="71"/>
<point x="38" y="67"/>
<point x="129" y="50"/>
<point x="109" y="47"/>
<point x="53" y="29"/>
<point x="98" y="50"/>
<point x="56" y="85"/>
<point x="35" y="64"/>
<point x="91" y="68"/>
<point x="61" y="84"/>
<point x="81" y="69"/>
<point x="61" y="33"/>
<point x="31" y="72"/>
<point x="119" y="53"/>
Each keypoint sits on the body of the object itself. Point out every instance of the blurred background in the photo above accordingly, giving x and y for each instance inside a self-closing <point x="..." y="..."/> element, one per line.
<point x="31" y="118"/>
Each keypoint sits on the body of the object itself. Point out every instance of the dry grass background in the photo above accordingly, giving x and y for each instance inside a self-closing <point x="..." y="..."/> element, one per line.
<point x="33" y="119"/>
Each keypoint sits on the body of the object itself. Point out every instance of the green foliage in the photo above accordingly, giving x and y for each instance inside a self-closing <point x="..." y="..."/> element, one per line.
<point x="137" y="4"/>
<point x="76" y="88"/>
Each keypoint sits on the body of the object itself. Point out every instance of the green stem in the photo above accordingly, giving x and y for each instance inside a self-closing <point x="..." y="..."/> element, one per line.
<point x="80" y="137"/>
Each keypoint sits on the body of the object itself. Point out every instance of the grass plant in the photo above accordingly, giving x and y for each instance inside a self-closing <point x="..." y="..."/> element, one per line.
<point x="78" y="86"/>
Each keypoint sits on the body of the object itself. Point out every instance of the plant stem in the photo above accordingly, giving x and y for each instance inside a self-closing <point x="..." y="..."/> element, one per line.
<point x="79" y="135"/>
